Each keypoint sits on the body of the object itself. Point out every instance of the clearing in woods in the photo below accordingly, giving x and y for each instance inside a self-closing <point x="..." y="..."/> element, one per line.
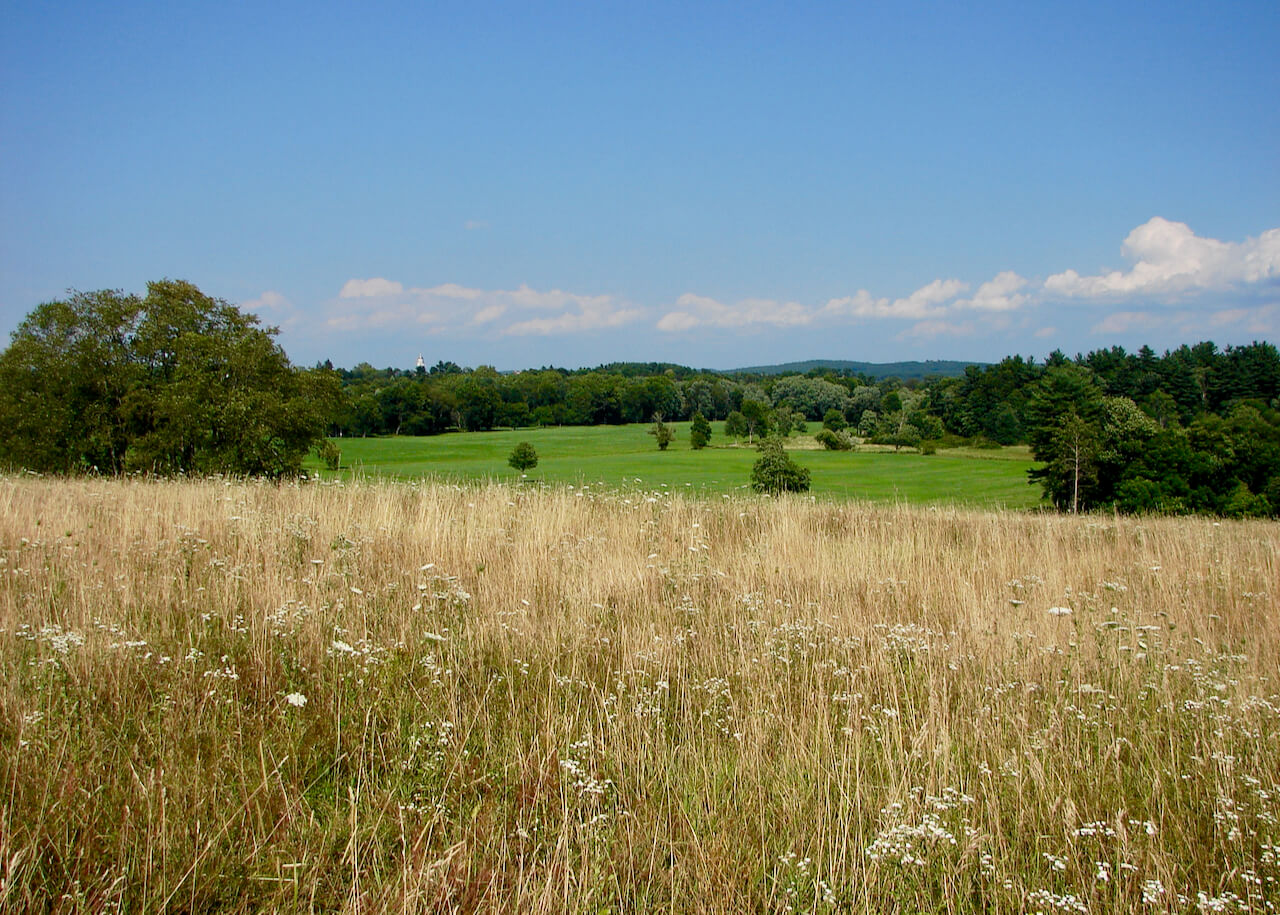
<point x="626" y="456"/>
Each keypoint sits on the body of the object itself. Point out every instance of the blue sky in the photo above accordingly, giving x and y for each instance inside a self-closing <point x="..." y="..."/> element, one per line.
<point x="712" y="184"/>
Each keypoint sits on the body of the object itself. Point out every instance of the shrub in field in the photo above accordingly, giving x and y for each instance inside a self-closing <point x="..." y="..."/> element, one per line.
<point x="330" y="454"/>
<point x="662" y="432"/>
<point x="523" y="457"/>
<point x="834" y="441"/>
<point x="774" y="472"/>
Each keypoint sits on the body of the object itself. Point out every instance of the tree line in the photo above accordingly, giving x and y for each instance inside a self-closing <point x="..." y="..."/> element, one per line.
<point x="176" y="382"/>
<point x="1194" y="429"/>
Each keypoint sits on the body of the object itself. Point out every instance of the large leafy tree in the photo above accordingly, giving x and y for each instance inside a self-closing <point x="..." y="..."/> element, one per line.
<point x="172" y="382"/>
<point x="758" y="417"/>
<point x="64" y="382"/>
<point x="1065" y="417"/>
<point x="814" y="397"/>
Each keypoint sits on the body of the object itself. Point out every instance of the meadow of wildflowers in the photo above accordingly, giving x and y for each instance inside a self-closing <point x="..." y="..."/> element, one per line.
<point x="225" y="696"/>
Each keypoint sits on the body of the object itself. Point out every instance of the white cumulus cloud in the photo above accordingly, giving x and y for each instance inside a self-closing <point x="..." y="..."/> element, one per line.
<point x="1003" y="293"/>
<point x="1171" y="260"/>
<point x="929" y="301"/>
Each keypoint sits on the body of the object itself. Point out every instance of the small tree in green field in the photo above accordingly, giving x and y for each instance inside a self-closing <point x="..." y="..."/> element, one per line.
<point x="523" y="457"/>
<point x="662" y="432"/>
<point x="329" y="453"/>
<point x="775" y="472"/>
<point x="699" y="432"/>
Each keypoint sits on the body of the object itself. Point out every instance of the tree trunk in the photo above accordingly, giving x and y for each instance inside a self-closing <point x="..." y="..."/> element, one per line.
<point x="1075" y="487"/>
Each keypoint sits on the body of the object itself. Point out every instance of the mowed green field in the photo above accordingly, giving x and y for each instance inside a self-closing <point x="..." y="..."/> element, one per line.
<point x="627" y="456"/>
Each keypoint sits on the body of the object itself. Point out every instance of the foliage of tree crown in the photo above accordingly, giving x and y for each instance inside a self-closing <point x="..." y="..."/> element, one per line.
<point x="523" y="457"/>
<point x="775" y="472"/>
<point x="735" y="425"/>
<point x="174" y="382"/>
<point x="699" y="432"/>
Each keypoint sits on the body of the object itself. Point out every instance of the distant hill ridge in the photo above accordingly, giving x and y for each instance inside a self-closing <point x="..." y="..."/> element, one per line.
<point x="903" y="370"/>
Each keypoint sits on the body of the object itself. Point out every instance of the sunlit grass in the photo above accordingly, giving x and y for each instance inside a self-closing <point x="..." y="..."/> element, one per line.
<point x="429" y="697"/>
<point x="626" y="456"/>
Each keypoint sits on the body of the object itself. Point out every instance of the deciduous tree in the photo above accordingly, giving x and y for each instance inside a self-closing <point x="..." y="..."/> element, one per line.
<point x="699" y="432"/>
<point x="662" y="432"/>
<point x="173" y="382"/>
<point x="523" y="457"/>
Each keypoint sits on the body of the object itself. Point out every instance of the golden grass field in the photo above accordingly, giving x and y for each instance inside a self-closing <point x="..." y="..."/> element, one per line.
<point x="225" y="696"/>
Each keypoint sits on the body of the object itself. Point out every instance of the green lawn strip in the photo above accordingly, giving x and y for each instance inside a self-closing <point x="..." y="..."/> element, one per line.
<point x="628" y="456"/>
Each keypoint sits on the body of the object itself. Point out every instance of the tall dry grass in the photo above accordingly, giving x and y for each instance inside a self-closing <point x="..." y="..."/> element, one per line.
<point x="239" y="697"/>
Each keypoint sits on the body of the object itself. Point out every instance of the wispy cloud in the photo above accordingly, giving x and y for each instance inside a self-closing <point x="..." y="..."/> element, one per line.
<point x="928" y="330"/>
<point x="700" y="311"/>
<point x="591" y="316"/>
<point x="1121" y="322"/>
<point x="378" y="303"/>
<point x="695" y="311"/>
<point x="274" y="309"/>
<point x="1263" y="320"/>
<point x="370" y="288"/>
